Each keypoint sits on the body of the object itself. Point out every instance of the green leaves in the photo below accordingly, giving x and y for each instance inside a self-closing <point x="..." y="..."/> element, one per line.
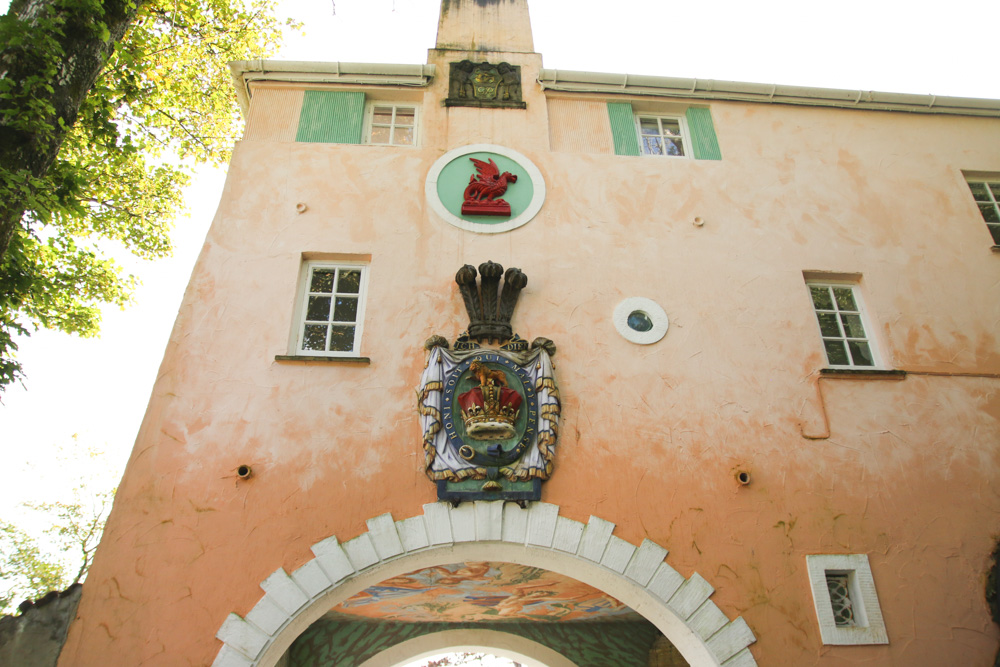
<point x="163" y="103"/>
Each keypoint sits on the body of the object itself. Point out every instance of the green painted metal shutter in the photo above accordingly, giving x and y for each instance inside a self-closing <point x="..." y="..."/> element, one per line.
<point x="705" y="146"/>
<point x="331" y="117"/>
<point x="623" y="128"/>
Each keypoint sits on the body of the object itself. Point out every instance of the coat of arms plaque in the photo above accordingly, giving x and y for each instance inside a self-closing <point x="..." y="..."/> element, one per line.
<point x="489" y="415"/>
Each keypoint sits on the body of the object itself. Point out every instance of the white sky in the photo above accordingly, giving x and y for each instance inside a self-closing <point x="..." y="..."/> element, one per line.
<point x="99" y="388"/>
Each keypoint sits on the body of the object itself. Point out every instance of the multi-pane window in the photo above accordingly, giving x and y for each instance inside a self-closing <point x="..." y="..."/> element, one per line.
<point x="841" y="324"/>
<point x="987" y="194"/>
<point x="332" y="310"/>
<point x="661" y="135"/>
<point x="392" y="124"/>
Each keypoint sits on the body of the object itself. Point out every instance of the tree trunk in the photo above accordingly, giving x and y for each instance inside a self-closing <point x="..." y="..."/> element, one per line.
<point x="72" y="59"/>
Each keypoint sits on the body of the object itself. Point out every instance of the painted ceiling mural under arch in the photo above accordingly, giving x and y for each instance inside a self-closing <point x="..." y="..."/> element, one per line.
<point x="479" y="591"/>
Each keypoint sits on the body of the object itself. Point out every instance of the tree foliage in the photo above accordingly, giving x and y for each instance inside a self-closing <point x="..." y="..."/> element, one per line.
<point x="162" y="103"/>
<point x="25" y="572"/>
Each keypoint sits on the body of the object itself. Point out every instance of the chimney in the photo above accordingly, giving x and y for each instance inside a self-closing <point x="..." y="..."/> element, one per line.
<point x="485" y="25"/>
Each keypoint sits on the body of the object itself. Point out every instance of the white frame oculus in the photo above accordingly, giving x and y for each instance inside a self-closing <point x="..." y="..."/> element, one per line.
<point x="847" y="607"/>
<point x="658" y="136"/>
<point x="640" y="320"/>
<point x="843" y="325"/>
<point x="331" y="305"/>
<point x="394" y="122"/>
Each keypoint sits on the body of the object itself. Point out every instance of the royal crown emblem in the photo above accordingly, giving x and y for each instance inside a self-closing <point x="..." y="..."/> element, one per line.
<point x="489" y="415"/>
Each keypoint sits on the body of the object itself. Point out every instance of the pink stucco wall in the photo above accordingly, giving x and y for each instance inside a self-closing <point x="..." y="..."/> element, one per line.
<point x="906" y="471"/>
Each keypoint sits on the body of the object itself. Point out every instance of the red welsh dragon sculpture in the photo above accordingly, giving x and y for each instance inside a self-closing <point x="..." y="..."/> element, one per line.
<point x="480" y="194"/>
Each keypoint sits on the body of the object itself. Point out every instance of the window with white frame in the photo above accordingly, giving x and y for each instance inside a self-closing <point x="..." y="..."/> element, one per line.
<point x="332" y="309"/>
<point x="844" y="595"/>
<point x="392" y="124"/>
<point x="661" y="135"/>
<point x="987" y="195"/>
<point x="842" y="325"/>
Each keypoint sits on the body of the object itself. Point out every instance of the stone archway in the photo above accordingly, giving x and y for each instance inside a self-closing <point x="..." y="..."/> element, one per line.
<point x="637" y="576"/>
<point x="503" y="644"/>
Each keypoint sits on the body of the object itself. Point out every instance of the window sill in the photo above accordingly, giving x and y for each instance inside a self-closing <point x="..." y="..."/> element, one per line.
<point x="996" y="248"/>
<point x="363" y="361"/>
<point x="863" y="374"/>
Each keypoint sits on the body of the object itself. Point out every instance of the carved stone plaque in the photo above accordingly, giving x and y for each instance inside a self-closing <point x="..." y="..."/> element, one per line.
<point x="485" y="85"/>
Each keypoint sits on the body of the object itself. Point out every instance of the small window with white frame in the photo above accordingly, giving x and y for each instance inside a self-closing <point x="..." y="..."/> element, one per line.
<point x="847" y="606"/>
<point x="391" y="124"/>
<point x="332" y="309"/>
<point x="662" y="135"/>
<point x="986" y="193"/>
<point x="842" y="325"/>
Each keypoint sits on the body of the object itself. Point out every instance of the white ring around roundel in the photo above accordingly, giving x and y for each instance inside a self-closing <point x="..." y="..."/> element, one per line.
<point x="431" y="193"/>
<point x="651" y="309"/>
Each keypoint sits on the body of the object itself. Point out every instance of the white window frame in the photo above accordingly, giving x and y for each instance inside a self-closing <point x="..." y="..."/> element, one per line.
<point x="992" y="227"/>
<point x="865" y="323"/>
<point x="302" y="307"/>
<point x="869" y="625"/>
<point x="370" y="121"/>
<point x="660" y="117"/>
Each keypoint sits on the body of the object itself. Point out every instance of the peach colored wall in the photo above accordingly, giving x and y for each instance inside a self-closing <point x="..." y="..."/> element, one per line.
<point x="651" y="436"/>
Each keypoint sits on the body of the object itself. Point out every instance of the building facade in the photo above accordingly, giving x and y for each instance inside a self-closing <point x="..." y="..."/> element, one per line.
<point x="762" y="323"/>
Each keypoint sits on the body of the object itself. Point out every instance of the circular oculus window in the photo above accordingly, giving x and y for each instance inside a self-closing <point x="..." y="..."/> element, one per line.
<point x="640" y="320"/>
<point x="449" y="176"/>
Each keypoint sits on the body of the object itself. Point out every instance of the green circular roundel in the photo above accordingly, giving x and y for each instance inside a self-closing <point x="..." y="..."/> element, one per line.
<point x="455" y="176"/>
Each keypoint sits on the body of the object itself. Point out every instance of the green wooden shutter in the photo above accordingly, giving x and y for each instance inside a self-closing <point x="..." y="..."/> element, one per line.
<point x="331" y="117"/>
<point x="623" y="128"/>
<point x="705" y="146"/>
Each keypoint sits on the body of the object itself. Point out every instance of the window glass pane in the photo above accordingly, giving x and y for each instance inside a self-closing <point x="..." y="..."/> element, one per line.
<point x="382" y="115"/>
<point x="319" y="309"/>
<point x="861" y="353"/>
<point x="995" y="231"/>
<point x="350" y="282"/>
<point x="380" y="135"/>
<point x="674" y="147"/>
<point x="995" y="189"/>
<point x="403" y="136"/>
<point x="649" y="126"/>
<point x="828" y="324"/>
<point x="821" y="297"/>
<point x="652" y="145"/>
<point x="322" y="280"/>
<point x="314" y="337"/>
<point x="989" y="212"/>
<point x="404" y="116"/>
<point x="845" y="298"/>
<point x="347" y="309"/>
<point x="671" y="128"/>
<point x="852" y="326"/>
<point x="341" y="339"/>
<point x="979" y="191"/>
<point x="835" y="353"/>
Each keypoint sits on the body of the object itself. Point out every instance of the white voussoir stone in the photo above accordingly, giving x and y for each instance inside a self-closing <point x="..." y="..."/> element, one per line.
<point x="284" y="592"/>
<point x="268" y="616"/>
<point x="542" y="524"/>
<point x="515" y="524"/>
<point x="595" y="538"/>
<point x="568" y="534"/>
<point x="333" y="559"/>
<point x="463" y="523"/>
<point x="730" y="640"/>
<point x="742" y="659"/>
<point x="489" y="520"/>
<point x="665" y="582"/>
<point x="708" y="620"/>
<point x="438" y="521"/>
<point x="384" y="536"/>
<point x="242" y="636"/>
<point x="691" y="595"/>
<point x="361" y="551"/>
<point x="645" y="561"/>
<point x="617" y="554"/>
<point x="229" y="657"/>
<point x="412" y="533"/>
<point x="311" y="578"/>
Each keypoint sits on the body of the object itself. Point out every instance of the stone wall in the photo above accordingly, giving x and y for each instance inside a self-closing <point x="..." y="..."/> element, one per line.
<point x="36" y="636"/>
